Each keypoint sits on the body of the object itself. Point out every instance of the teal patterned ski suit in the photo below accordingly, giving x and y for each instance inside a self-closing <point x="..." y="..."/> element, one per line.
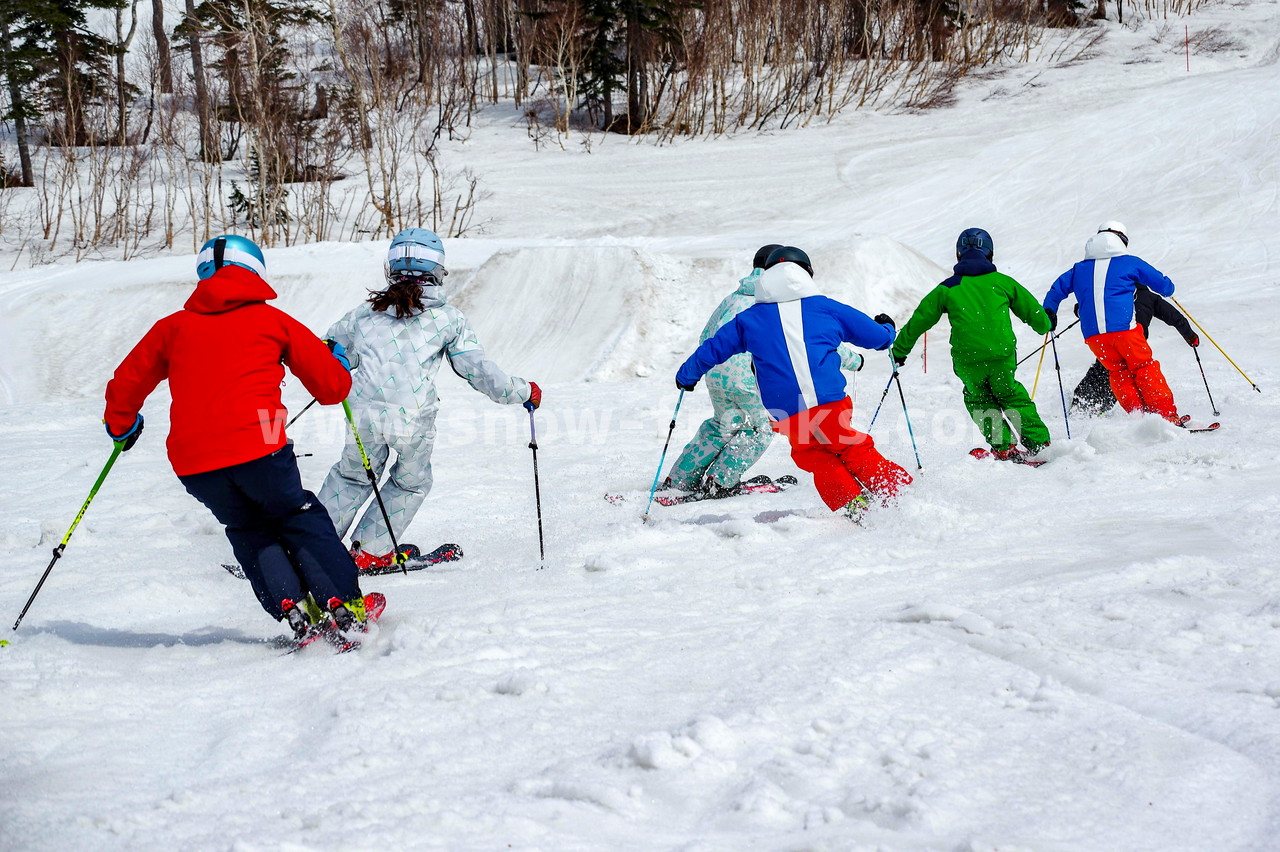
<point x="734" y="438"/>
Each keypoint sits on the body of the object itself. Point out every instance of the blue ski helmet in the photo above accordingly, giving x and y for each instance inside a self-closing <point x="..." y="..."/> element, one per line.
<point x="230" y="250"/>
<point x="789" y="254"/>
<point x="975" y="238"/>
<point x="416" y="252"/>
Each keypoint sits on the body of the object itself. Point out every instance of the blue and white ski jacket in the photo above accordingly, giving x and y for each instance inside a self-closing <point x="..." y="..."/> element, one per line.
<point x="792" y="333"/>
<point x="1104" y="284"/>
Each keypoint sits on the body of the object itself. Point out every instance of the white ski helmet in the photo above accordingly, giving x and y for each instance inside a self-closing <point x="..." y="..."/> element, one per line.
<point x="1117" y="228"/>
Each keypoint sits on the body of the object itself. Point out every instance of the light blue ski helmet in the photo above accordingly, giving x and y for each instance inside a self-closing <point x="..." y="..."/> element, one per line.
<point x="230" y="250"/>
<point x="975" y="238"/>
<point x="416" y="252"/>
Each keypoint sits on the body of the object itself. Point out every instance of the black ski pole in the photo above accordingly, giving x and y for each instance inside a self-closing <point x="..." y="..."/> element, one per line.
<point x="887" y="385"/>
<point x="1212" y="404"/>
<point x="663" y="459"/>
<point x="62" y="545"/>
<point x="396" y="555"/>
<point x="1061" y="389"/>
<point x="1041" y="347"/>
<point x="906" y="414"/>
<point x="295" y="417"/>
<point x="537" y="489"/>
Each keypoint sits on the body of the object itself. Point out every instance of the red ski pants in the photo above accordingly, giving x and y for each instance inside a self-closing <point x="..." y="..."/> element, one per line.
<point x="1135" y="375"/>
<point x="843" y="461"/>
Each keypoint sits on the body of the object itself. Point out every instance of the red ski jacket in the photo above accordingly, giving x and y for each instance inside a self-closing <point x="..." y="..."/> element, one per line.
<point x="224" y="355"/>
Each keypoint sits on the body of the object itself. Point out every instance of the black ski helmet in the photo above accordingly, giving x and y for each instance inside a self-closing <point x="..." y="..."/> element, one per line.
<point x="789" y="254"/>
<point x="975" y="238"/>
<point x="762" y="255"/>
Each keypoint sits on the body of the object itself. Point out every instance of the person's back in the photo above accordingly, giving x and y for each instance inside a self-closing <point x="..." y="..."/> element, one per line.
<point x="792" y="334"/>
<point x="401" y="335"/>
<point x="224" y="355"/>
<point x="1104" y="284"/>
<point x="980" y="302"/>
<point x="737" y="434"/>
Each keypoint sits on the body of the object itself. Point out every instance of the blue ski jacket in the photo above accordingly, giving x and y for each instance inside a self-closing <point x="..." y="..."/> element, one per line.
<point x="792" y="333"/>
<point x="1104" y="284"/>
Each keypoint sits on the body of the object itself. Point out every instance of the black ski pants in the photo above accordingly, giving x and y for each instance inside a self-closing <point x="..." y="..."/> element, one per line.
<point x="282" y="536"/>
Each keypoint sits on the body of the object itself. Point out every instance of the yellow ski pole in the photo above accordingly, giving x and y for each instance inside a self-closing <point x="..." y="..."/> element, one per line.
<point x="1040" y="363"/>
<point x="62" y="545"/>
<point x="1209" y="337"/>
<point x="396" y="555"/>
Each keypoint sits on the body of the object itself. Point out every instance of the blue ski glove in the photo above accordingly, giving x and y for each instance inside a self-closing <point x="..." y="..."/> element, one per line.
<point x="130" y="437"/>
<point x="349" y="360"/>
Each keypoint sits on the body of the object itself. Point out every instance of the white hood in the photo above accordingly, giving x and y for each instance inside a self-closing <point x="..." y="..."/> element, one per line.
<point x="784" y="282"/>
<point x="1105" y="244"/>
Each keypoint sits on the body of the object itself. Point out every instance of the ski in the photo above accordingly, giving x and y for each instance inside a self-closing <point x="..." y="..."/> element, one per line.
<point x="1189" y="426"/>
<point x="756" y="485"/>
<point x="984" y="453"/>
<point x="416" y="561"/>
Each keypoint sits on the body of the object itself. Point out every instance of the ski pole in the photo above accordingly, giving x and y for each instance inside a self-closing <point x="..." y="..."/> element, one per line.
<point x="1034" y="352"/>
<point x="1061" y="390"/>
<point x="1039" y="364"/>
<point x="887" y="385"/>
<point x="905" y="413"/>
<point x="396" y="555"/>
<point x="295" y="417"/>
<point x="663" y="460"/>
<point x="1215" y="344"/>
<point x="62" y="545"/>
<point x="1212" y="404"/>
<point x="537" y="490"/>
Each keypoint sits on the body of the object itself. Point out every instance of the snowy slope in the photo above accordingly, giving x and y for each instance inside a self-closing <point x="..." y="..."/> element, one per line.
<point x="1080" y="657"/>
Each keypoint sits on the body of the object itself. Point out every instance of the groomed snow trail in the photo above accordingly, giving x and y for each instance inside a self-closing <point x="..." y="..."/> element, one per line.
<point x="1078" y="657"/>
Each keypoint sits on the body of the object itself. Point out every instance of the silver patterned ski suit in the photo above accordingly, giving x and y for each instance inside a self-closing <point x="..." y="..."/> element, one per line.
<point x="394" y="400"/>
<point x="734" y="438"/>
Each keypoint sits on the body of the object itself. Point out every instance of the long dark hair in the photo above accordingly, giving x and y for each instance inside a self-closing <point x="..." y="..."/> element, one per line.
<point x="403" y="294"/>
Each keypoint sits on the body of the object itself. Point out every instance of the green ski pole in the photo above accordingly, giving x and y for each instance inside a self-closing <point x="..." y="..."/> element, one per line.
<point x="373" y="480"/>
<point x="62" y="545"/>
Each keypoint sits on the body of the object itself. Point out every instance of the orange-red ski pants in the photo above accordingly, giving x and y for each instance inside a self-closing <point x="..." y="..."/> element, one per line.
<point x="1135" y="375"/>
<point x="842" y="460"/>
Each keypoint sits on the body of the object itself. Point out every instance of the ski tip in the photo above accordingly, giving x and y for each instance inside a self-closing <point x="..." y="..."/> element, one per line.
<point x="4" y="643"/>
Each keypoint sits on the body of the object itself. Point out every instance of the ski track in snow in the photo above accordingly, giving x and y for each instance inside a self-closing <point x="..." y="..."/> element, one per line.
<point x="1077" y="657"/>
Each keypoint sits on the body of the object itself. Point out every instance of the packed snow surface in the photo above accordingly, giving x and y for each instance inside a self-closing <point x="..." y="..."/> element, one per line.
<point x="1084" y="656"/>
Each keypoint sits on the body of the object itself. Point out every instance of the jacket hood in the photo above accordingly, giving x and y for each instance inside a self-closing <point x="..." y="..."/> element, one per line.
<point x="229" y="287"/>
<point x="1105" y="244"/>
<point x="784" y="282"/>
<point x="747" y="286"/>
<point x="972" y="263"/>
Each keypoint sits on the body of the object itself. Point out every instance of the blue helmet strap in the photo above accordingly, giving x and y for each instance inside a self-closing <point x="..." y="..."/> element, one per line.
<point x="219" y="247"/>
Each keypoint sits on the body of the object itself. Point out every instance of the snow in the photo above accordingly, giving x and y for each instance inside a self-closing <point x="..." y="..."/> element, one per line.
<point x="1077" y="657"/>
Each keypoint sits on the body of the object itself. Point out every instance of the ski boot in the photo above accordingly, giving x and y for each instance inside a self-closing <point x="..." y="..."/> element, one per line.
<point x="366" y="561"/>
<point x="857" y="508"/>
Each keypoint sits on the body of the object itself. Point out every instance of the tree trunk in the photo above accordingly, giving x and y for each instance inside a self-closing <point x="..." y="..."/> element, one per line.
<point x="208" y="141"/>
<point x="19" y="106"/>
<point x="164" y="61"/>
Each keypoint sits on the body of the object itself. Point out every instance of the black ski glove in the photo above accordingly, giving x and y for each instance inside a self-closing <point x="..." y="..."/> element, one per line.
<point x="901" y="362"/>
<point x="686" y="387"/>
<point x="1193" y="340"/>
<point x="885" y="319"/>
<point x="130" y="437"/>
<point x="1053" y="319"/>
<point x="1076" y="308"/>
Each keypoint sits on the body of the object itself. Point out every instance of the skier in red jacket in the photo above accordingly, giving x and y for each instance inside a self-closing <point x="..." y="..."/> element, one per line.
<point x="224" y="355"/>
